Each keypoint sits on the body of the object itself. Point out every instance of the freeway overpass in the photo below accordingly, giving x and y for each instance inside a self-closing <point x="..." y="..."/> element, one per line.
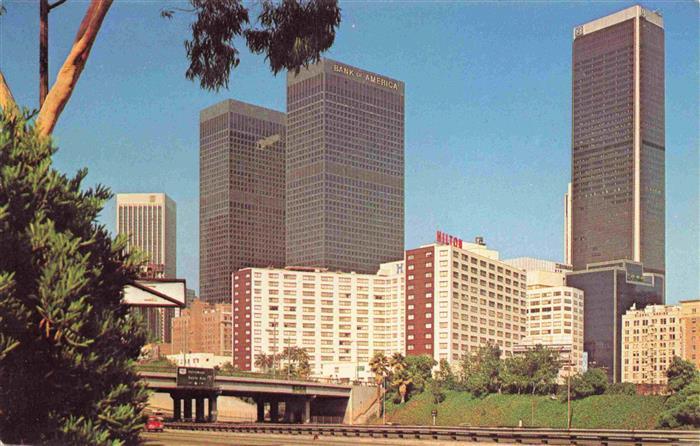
<point x="302" y="401"/>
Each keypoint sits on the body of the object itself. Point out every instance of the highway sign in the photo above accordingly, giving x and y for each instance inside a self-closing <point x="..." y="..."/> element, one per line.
<point x="195" y="377"/>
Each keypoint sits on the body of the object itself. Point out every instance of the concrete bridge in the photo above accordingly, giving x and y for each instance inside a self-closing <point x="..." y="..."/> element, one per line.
<point x="276" y="400"/>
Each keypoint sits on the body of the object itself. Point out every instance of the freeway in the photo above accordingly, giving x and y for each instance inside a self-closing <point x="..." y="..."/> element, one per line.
<point x="395" y="434"/>
<point x="189" y="438"/>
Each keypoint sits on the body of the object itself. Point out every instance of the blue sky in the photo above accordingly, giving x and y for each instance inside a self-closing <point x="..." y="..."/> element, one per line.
<point x="487" y="113"/>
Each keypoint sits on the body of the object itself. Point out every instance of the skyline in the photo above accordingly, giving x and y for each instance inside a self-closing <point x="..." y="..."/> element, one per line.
<point x="477" y="174"/>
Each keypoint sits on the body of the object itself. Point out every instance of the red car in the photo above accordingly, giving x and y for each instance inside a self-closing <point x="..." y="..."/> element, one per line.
<point x="154" y="424"/>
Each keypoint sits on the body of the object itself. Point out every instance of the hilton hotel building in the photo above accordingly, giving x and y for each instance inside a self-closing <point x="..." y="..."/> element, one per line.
<point x="459" y="297"/>
<point x="345" y="168"/>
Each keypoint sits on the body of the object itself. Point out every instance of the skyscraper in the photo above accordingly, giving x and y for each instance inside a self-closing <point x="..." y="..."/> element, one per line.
<point x="345" y="168"/>
<point x="618" y="141"/>
<point x="241" y="193"/>
<point x="150" y="222"/>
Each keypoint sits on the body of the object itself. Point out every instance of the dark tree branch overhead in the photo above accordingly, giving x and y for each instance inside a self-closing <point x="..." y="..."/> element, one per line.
<point x="56" y="4"/>
<point x="294" y="33"/>
<point x="290" y="33"/>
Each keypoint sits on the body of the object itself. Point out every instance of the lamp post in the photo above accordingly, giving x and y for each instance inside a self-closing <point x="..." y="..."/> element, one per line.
<point x="384" y="400"/>
<point x="568" y="395"/>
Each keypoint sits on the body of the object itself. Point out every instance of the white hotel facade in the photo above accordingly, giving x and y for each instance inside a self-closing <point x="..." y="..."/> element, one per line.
<point x="341" y="319"/>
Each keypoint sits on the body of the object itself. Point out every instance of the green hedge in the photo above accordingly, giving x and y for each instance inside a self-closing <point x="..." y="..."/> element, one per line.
<point x="601" y="411"/>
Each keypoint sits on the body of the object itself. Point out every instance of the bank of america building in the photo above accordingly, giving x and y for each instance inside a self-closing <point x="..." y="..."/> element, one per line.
<point x="345" y="168"/>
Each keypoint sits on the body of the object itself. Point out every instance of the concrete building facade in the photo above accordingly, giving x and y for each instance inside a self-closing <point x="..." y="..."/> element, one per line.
<point x="203" y="328"/>
<point x="150" y="221"/>
<point x="618" y="140"/>
<point x="241" y="192"/>
<point x="610" y="289"/>
<point x="555" y="321"/>
<point x="345" y="168"/>
<point x="651" y="338"/>
<point x="690" y="329"/>
<point x="340" y="319"/>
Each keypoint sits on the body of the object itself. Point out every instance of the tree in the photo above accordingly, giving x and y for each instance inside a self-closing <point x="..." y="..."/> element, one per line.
<point x="228" y="368"/>
<point x="682" y="409"/>
<point x="402" y="381"/>
<point x="379" y="365"/>
<point x="289" y="33"/>
<point x="437" y="391"/>
<point x="444" y="375"/>
<point x="420" y="369"/>
<point x="593" y="382"/>
<point x="680" y="373"/>
<point x="480" y="371"/>
<point x="542" y="365"/>
<point x="264" y="362"/>
<point x="296" y="362"/>
<point x="621" y="389"/>
<point x="513" y="375"/>
<point x="69" y="346"/>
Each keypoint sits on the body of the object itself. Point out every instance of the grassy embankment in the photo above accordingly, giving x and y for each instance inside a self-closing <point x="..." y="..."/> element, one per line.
<point x="460" y="408"/>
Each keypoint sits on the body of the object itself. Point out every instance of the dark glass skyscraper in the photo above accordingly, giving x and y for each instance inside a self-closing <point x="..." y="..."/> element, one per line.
<point x="618" y="141"/>
<point x="610" y="289"/>
<point x="345" y="168"/>
<point x="241" y="193"/>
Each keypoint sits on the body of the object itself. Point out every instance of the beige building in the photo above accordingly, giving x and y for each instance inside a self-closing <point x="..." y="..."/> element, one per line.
<point x="340" y="319"/>
<point x="651" y="338"/>
<point x="150" y="221"/>
<point x="555" y="321"/>
<point x="690" y="331"/>
<point x="203" y="328"/>
<point x="555" y="312"/>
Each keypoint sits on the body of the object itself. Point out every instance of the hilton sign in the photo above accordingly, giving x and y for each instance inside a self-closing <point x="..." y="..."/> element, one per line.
<point x="447" y="239"/>
<point x="352" y="72"/>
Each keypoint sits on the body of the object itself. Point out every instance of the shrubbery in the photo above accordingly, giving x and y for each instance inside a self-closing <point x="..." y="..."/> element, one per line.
<point x="682" y="408"/>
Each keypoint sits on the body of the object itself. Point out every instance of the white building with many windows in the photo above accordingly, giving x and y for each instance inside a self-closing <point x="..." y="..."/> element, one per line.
<point x="555" y="321"/>
<point x="341" y="319"/>
<point x="460" y="297"/>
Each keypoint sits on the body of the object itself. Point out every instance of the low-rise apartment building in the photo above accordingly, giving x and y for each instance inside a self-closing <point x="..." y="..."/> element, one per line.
<point x="651" y="338"/>
<point x="203" y="328"/>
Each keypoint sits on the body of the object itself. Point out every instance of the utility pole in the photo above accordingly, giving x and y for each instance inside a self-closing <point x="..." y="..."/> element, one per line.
<point x="384" y="400"/>
<point x="568" y="395"/>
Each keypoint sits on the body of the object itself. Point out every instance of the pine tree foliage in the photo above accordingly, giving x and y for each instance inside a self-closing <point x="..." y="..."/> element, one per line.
<point x="67" y="344"/>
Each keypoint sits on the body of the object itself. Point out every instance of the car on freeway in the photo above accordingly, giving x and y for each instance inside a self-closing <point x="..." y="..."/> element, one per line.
<point x="154" y="424"/>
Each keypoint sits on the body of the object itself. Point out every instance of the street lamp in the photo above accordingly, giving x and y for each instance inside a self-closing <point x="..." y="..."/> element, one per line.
<point x="384" y="400"/>
<point x="568" y="394"/>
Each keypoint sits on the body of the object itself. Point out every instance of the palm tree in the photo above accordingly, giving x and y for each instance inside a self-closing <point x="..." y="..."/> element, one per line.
<point x="379" y="364"/>
<point x="264" y="362"/>
<point x="402" y="381"/>
<point x="397" y="363"/>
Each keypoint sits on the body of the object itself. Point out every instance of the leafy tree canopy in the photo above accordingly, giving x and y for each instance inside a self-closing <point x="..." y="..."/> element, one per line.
<point x="67" y="344"/>
<point x="290" y="33"/>
<point x="682" y="409"/>
<point x="680" y="373"/>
